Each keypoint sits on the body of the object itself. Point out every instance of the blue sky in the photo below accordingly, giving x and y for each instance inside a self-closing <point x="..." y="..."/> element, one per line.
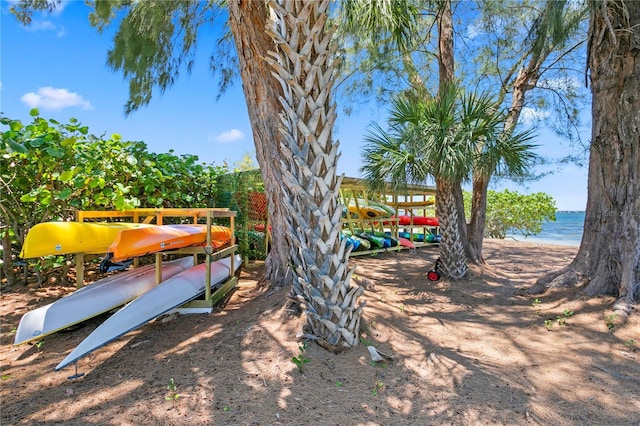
<point x="58" y="65"/>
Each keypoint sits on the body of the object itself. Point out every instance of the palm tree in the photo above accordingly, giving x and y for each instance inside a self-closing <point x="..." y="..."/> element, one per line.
<point x="292" y="116"/>
<point x="399" y="33"/>
<point x="444" y="137"/>
<point x="303" y="64"/>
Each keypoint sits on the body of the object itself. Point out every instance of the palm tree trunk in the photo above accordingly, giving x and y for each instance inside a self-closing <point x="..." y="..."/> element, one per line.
<point x="450" y="200"/>
<point x="452" y="254"/>
<point x="303" y="64"/>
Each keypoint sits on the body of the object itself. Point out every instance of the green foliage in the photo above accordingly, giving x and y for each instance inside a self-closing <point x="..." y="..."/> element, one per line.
<point x="512" y="212"/>
<point x="536" y="304"/>
<point x="154" y="43"/>
<point x="389" y="45"/>
<point x="246" y="164"/>
<point x="562" y="319"/>
<point x="51" y="169"/>
<point x="238" y="191"/>
<point x="377" y="388"/>
<point x="300" y="360"/>
<point x="443" y="136"/>
<point x="609" y="320"/>
<point x="172" y="394"/>
<point x="39" y="345"/>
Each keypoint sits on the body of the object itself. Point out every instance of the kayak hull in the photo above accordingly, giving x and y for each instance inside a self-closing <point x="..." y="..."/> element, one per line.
<point x="93" y="300"/>
<point x="139" y="242"/>
<point x="169" y="294"/>
<point x="418" y="220"/>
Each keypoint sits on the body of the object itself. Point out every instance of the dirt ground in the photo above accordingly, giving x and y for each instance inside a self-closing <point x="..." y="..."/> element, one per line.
<point x="473" y="352"/>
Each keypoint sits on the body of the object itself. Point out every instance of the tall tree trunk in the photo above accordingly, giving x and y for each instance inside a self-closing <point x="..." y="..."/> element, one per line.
<point x="452" y="252"/>
<point x="526" y="80"/>
<point x="449" y="194"/>
<point x="478" y="219"/>
<point x="304" y="66"/>
<point x="446" y="69"/>
<point x="248" y="20"/>
<point x="608" y="261"/>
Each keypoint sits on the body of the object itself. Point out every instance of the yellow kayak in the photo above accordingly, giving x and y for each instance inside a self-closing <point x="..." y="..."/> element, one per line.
<point x="429" y="201"/>
<point x="369" y="209"/>
<point x="53" y="238"/>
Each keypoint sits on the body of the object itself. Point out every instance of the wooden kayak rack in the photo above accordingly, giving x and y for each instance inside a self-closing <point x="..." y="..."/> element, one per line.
<point x="413" y="200"/>
<point x="157" y="215"/>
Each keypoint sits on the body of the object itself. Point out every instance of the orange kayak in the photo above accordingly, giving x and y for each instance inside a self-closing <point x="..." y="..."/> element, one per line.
<point x="138" y="242"/>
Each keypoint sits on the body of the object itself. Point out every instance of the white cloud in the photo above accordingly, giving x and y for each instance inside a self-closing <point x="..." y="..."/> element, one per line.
<point x="531" y="115"/>
<point x="40" y="26"/>
<point x="228" y="136"/>
<point x="569" y="83"/>
<point x="474" y="31"/>
<point x="54" y="99"/>
<point x="59" y="7"/>
<point x="46" y="26"/>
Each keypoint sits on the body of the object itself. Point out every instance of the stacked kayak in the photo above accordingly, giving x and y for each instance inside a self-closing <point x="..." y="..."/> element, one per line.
<point x="118" y="240"/>
<point x="93" y="300"/>
<point x="171" y="293"/>
<point x="418" y="220"/>
<point x="363" y="241"/>
<point x="368" y="209"/>
<point x="146" y="299"/>
<point x="140" y="241"/>
<point x="421" y="237"/>
<point x="54" y="238"/>
<point x="404" y="220"/>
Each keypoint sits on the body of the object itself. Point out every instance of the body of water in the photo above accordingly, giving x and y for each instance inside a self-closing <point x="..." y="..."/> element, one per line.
<point x="566" y="230"/>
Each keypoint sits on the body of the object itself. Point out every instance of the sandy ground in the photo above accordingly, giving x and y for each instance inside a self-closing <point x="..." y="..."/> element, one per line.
<point x="473" y="352"/>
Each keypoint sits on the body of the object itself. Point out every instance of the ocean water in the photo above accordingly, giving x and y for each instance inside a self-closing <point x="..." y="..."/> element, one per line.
<point x="566" y="230"/>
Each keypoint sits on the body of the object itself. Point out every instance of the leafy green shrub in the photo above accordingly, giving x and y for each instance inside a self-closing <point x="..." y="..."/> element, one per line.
<point x="50" y="170"/>
<point x="512" y="212"/>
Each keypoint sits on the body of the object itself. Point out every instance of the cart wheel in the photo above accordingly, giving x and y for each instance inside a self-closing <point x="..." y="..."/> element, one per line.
<point x="433" y="276"/>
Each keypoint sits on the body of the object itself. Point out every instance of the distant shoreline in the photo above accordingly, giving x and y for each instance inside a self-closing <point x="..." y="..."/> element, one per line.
<point x="566" y="230"/>
<point x="534" y="240"/>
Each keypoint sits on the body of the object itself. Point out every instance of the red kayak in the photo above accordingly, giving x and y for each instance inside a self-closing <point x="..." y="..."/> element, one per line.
<point x="417" y="220"/>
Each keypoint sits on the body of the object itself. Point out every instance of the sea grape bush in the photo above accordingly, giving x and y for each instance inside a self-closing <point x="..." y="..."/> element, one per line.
<point x="51" y="169"/>
<point x="515" y="213"/>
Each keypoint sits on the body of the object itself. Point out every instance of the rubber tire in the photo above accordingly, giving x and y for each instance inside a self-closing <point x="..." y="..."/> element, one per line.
<point x="433" y="276"/>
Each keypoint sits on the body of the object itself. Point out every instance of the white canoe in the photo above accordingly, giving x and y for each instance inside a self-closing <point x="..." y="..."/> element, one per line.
<point x="93" y="300"/>
<point x="169" y="294"/>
